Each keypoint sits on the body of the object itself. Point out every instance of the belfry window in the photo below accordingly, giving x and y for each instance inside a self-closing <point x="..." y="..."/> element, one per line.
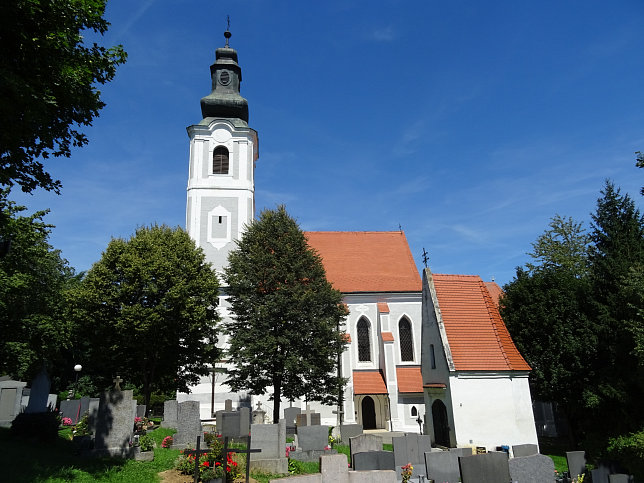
<point x="406" y="341"/>
<point x="364" y="341"/>
<point x="220" y="160"/>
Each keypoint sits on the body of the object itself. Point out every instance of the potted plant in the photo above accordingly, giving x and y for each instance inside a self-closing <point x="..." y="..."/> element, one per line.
<point x="143" y="452"/>
<point x="81" y="435"/>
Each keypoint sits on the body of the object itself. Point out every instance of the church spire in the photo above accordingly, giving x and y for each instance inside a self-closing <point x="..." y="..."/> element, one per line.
<point x="225" y="100"/>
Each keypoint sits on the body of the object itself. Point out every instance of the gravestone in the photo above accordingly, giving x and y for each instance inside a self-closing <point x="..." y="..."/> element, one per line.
<point x="140" y="410"/>
<point x="52" y="400"/>
<point x="532" y="469"/>
<point x="348" y="431"/>
<point x="442" y="466"/>
<point x="461" y="451"/>
<point x="244" y="420"/>
<point x="411" y="448"/>
<point x="313" y="438"/>
<point x="576" y="463"/>
<point x="519" y="450"/>
<point x="619" y="478"/>
<point x="271" y="440"/>
<point x="170" y="413"/>
<point x="308" y="419"/>
<point x="70" y="408"/>
<point x="228" y="405"/>
<point x="363" y="444"/>
<point x="601" y="473"/>
<point x="373" y="460"/>
<point x="188" y="424"/>
<point x="92" y="410"/>
<point x="259" y="415"/>
<point x="115" y="423"/>
<point x="290" y="416"/>
<point x="229" y="424"/>
<point x="10" y="399"/>
<point x="39" y="393"/>
<point x="490" y="467"/>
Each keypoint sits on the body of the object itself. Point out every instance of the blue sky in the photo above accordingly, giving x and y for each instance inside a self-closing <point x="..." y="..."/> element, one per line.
<point x="469" y="124"/>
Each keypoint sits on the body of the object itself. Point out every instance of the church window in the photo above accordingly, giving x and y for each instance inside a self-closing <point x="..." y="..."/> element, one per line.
<point x="220" y="160"/>
<point x="414" y="412"/>
<point x="432" y="356"/>
<point x="406" y="342"/>
<point x="364" y="341"/>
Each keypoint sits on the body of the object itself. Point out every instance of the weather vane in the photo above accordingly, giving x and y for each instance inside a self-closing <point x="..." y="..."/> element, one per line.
<point x="425" y="257"/>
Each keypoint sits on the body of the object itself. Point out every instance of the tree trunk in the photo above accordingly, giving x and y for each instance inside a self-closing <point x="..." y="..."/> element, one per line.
<point x="277" y="398"/>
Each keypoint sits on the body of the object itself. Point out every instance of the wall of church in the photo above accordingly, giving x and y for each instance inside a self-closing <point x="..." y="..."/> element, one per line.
<point x="492" y="410"/>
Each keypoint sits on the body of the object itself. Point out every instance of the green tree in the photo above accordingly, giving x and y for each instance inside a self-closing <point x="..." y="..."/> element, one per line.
<point x="564" y="244"/>
<point x="33" y="280"/>
<point x="49" y="75"/>
<point x="640" y="164"/>
<point x="147" y="311"/>
<point x="286" y="333"/>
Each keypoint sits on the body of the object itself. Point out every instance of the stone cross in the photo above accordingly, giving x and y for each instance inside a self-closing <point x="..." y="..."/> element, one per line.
<point x="307" y="413"/>
<point x="259" y="405"/>
<point x="197" y="452"/>
<point x="117" y="383"/>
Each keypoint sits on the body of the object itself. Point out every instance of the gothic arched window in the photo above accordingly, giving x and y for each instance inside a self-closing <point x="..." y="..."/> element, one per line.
<point x="364" y="341"/>
<point x="220" y="160"/>
<point x="406" y="341"/>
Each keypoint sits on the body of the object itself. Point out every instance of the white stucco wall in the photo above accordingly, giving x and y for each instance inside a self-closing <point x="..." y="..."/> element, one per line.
<point x="492" y="410"/>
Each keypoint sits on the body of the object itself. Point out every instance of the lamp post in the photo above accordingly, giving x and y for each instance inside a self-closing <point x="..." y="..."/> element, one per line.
<point x="77" y="368"/>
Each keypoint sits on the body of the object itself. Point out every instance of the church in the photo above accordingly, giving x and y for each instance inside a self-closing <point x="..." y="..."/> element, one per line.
<point x="423" y="355"/>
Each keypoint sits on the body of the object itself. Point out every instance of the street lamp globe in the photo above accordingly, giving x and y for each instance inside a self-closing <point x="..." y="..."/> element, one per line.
<point x="78" y="368"/>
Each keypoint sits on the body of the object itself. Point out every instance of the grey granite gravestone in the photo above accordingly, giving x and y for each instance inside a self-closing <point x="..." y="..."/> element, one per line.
<point x="92" y="411"/>
<point x="70" y="408"/>
<point x="313" y="438"/>
<point x="442" y="466"/>
<point x="619" y="478"/>
<point x="229" y="424"/>
<point x="348" y="431"/>
<point x="10" y="399"/>
<point x="271" y="440"/>
<point x="519" y="450"/>
<point x="535" y="468"/>
<point x="188" y="424"/>
<point x="373" y="460"/>
<point x="228" y="405"/>
<point x="115" y="424"/>
<point x="244" y="420"/>
<point x="460" y="451"/>
<point x="576" y="463"/>
<point x="290" y="415"/>
<point x="140" y="410"/>
<point x="490" y="467"/>
<point x="411" y="448"/>
<point x="170" y="413"/>
<point x="39" y="393"/>
<point x="364" y="443"/>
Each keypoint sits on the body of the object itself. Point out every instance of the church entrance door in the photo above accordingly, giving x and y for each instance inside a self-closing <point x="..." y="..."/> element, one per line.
<point x="368" y="413"/>
<point x="441" y="428"/>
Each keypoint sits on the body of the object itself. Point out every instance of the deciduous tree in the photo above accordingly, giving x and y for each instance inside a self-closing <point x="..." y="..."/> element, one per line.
<point x="147" y="311"/>
<point x="286" y="332"/>
<point x="48" y="83"/>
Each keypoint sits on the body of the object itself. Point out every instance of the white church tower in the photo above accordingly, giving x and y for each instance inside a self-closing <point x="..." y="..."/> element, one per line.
<point x="223" y="152"/>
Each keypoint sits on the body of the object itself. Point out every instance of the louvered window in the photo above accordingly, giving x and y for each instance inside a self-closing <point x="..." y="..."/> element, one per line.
<point x="364" y="342"/>
<point x="220" y="160"/>
<point x="406" y="341"/>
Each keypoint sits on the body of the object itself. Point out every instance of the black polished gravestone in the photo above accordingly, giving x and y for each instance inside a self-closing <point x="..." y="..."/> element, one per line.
<point x="373" y="460"/>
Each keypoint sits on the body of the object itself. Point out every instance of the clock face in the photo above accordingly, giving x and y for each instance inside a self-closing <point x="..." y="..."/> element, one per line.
<point x="224" y="77"/>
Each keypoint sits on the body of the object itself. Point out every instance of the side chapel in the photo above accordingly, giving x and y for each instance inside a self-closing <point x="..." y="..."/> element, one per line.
<point x="438" y="343"/>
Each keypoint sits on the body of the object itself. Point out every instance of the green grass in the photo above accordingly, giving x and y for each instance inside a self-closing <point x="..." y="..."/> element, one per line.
<point x="24" y="461"/>
<point x="387" y="447"/>
<point x="556" y="450"/>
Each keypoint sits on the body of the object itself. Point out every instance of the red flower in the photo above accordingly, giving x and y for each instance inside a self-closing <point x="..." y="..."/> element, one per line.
<point x="206" y="464"/>
<point x="217" y="463"/>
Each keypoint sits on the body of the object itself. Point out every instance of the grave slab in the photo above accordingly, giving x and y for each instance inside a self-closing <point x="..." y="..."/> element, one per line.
<point x="39" y="393"/>
<point x="312" y="438"/>
<point x="364" y="443"/>
<point x="576" y="463"/>
<point x="373" y="460"/>
<point x="519" y="450"/>
<point x="188" y="424"/>
<point x="170" y="413"/>
<point x="490" y="467"/>
<point x="531" y="469"/>
<point x="271" y="440"/>
<point x="348" y="431"/>
<point x="115" y="424"/>
<point x="442" y="466"/>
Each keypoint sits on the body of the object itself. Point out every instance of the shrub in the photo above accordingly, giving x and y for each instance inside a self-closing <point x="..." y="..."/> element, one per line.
<point x="36" y="426"/>
<point x="82" y="426"/>
<point x="146" y="443"/>
<point x="629" y="451"/>
<point x="167" y="442"/>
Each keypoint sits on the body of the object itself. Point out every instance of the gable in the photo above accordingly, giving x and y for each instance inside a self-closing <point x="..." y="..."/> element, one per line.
<point x="366" y="261"/>
<point x="477" y="337"/>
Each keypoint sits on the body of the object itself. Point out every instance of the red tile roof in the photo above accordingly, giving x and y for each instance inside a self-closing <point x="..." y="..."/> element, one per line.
<point x="366" y="261"/>
<point x="409" y="379"/>
<point x="387" y="336"/>
<point x="478" y="338"/>
<point x="495" y="291"/>
<point x="383" y="307"/>
<point x="368" y="382"/>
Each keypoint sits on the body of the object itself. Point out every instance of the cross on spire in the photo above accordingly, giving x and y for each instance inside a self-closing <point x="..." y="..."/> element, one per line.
<point x="425" y="257"/>
<point x="227" y="33"/>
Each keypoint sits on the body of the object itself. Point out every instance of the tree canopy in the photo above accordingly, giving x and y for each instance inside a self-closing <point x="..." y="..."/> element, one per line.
<point x="49" y="76"/>
<point x="33" y="280"/>
<point x="286" y="331"/>
<point x="147" y="311"/>
<point x="578" y="318"/>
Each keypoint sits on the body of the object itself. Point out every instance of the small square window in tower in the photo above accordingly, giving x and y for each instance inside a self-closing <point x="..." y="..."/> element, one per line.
<point x="220" y="160"/>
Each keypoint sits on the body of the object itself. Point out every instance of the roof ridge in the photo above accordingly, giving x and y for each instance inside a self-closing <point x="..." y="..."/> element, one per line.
<point x="493" y="313"/>
<point x="356" y="231"/>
